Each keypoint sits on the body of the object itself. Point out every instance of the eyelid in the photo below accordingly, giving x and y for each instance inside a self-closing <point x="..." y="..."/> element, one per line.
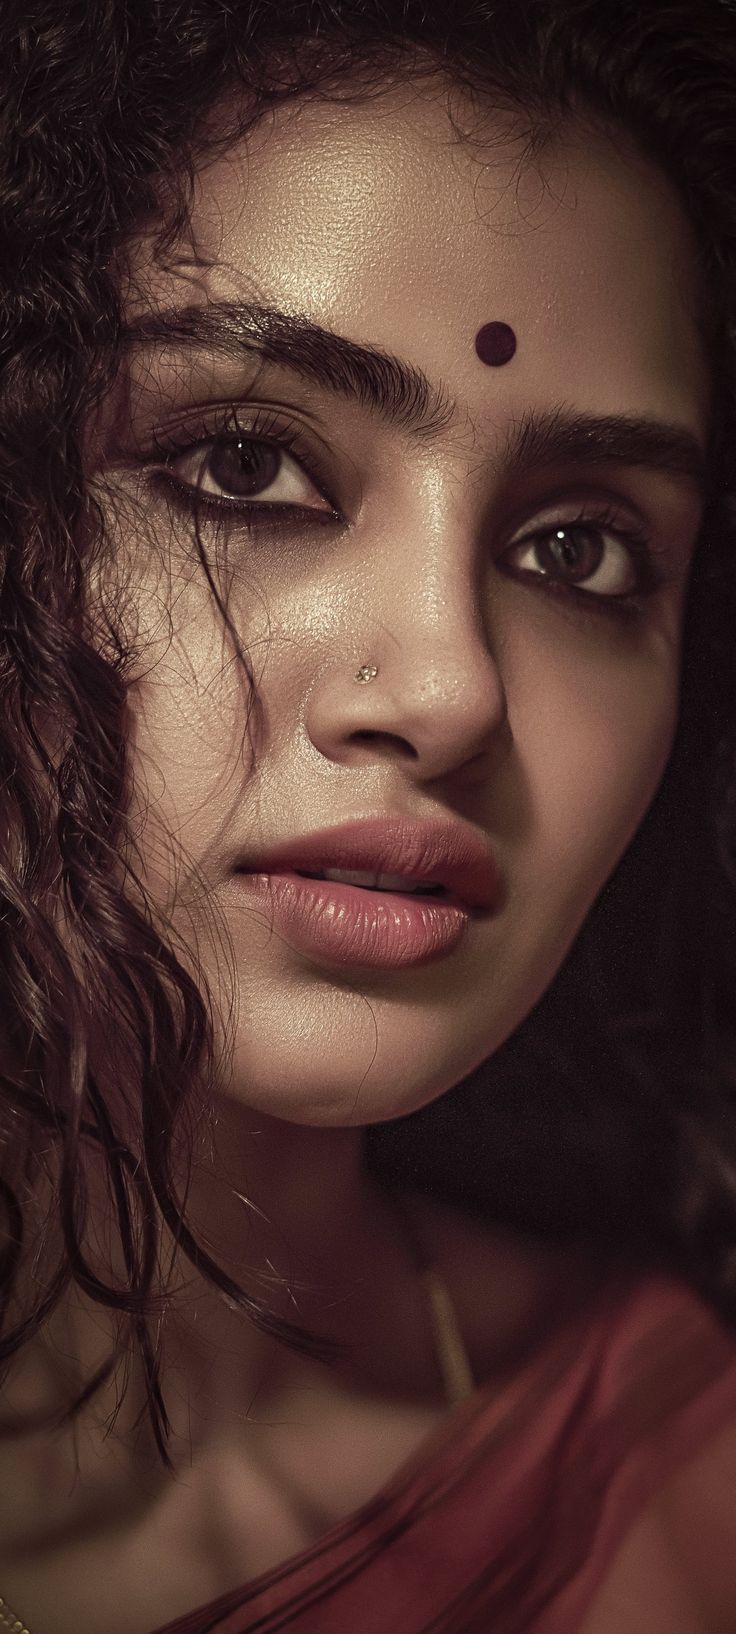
<point x="263" y="423"/>
<point x="593" y="514"/>
<point x="600" y="515"/>
<point x="582" y="495"/>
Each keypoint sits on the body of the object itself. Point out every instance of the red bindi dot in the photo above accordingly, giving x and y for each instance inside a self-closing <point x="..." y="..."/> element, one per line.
<point x="495" y="343"/>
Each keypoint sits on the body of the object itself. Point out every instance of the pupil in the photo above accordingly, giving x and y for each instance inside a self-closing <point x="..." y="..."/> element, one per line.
<point x="578" y="551"/>
<point x="244" y="466"/>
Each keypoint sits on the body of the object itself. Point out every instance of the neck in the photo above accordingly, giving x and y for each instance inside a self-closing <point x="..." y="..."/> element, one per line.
<point x="292" y="1201"/>
<point x="290" y="1216"/>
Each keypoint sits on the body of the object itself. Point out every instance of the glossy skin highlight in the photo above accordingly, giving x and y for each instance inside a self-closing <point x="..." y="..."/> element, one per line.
<point x="540" y="718"/>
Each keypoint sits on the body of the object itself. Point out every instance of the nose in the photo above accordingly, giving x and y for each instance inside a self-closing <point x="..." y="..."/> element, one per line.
<point x="437" y="701"/>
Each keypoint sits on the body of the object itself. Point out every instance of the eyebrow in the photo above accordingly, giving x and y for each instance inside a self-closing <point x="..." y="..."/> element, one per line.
<point x="561" y="435"/>
<point x="401" y="394"/>
<point x="397" y="391"/>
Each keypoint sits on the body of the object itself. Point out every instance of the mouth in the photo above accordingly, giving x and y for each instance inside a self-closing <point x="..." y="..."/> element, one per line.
<point x="359" y="918"/>
<point x="441" y="861"/>
<point x="367" y="882"/>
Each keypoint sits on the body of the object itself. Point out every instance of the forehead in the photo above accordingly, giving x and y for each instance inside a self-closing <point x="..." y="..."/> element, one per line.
<point x="406" y="223"/>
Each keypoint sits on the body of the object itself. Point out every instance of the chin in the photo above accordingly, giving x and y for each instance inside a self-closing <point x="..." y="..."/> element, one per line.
<point x="343" y="1097"/>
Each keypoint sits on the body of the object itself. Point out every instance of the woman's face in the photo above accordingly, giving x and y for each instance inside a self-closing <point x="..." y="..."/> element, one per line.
<point x="514" y="563"/>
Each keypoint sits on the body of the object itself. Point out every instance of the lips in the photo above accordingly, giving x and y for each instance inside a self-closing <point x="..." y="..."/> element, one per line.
<point x="433" y="853"/>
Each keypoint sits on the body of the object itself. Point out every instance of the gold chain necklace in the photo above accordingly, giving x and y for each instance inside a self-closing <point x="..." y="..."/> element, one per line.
<point x="9" y="1620"/>
<point x="447" y="1340"/>
<point x="449" y="1349"/>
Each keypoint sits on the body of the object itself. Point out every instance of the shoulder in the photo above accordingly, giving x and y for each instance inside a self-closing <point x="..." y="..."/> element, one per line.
<point x="621" y="1430"/>
<point x="674" y="1565"/>
<point x="696" y="1514"/>
<point x="675" y="1569"/>
<point x="626" y="1445"/>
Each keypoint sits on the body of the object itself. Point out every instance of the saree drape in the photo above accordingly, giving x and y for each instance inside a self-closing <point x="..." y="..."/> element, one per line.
<point x="510" y="1515"/>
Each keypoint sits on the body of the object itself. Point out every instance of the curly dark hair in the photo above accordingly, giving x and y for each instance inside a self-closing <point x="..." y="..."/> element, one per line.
<point x="609" y="1113"/>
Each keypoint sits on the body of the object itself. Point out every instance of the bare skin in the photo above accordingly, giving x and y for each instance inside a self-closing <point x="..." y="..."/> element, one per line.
<point x="533" y="715"/>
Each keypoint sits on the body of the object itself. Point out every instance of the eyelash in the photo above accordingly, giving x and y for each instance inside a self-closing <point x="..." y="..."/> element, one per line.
<point x="266" y="426"/>
<point x="649" y="577"/>
<point x="277" y="430"/>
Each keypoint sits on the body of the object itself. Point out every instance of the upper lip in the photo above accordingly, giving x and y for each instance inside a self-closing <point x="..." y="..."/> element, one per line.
<point x="439" y="853"/>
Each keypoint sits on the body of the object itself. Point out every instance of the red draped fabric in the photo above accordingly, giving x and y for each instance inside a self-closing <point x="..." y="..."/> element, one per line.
<point x="511" y="1514"/>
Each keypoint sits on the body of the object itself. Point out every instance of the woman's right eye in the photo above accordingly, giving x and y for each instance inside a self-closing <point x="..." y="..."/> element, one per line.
<point x="247" y="473"/>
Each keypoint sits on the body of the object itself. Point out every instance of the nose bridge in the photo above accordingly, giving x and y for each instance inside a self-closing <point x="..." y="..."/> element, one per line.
<point x="422" y="624"/>
<point x="430" y="584"/>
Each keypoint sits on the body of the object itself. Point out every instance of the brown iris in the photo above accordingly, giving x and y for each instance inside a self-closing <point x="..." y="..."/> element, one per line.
<point x="243" y="466"/>
<point x="576" y="552"/>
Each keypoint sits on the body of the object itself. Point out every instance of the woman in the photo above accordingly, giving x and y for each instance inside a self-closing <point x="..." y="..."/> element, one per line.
<point x="369" y="412"/>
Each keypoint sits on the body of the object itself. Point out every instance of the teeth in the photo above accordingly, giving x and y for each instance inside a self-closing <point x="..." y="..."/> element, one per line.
<point x="375" y="882"/>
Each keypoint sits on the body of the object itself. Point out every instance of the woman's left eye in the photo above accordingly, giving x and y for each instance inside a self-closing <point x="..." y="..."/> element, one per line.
<point x="586" y="556"/>
<point x="246" y="471"/>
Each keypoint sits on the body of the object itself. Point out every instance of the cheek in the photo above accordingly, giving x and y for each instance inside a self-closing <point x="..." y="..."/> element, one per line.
<point x="189" y="755"/>
<point x="594" y="749"/>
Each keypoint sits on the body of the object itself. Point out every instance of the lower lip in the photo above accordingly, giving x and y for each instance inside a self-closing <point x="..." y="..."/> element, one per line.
<point x="382" y="930"/>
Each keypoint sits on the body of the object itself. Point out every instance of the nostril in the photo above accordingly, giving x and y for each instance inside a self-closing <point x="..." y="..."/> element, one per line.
<point x="393" y="740"/>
